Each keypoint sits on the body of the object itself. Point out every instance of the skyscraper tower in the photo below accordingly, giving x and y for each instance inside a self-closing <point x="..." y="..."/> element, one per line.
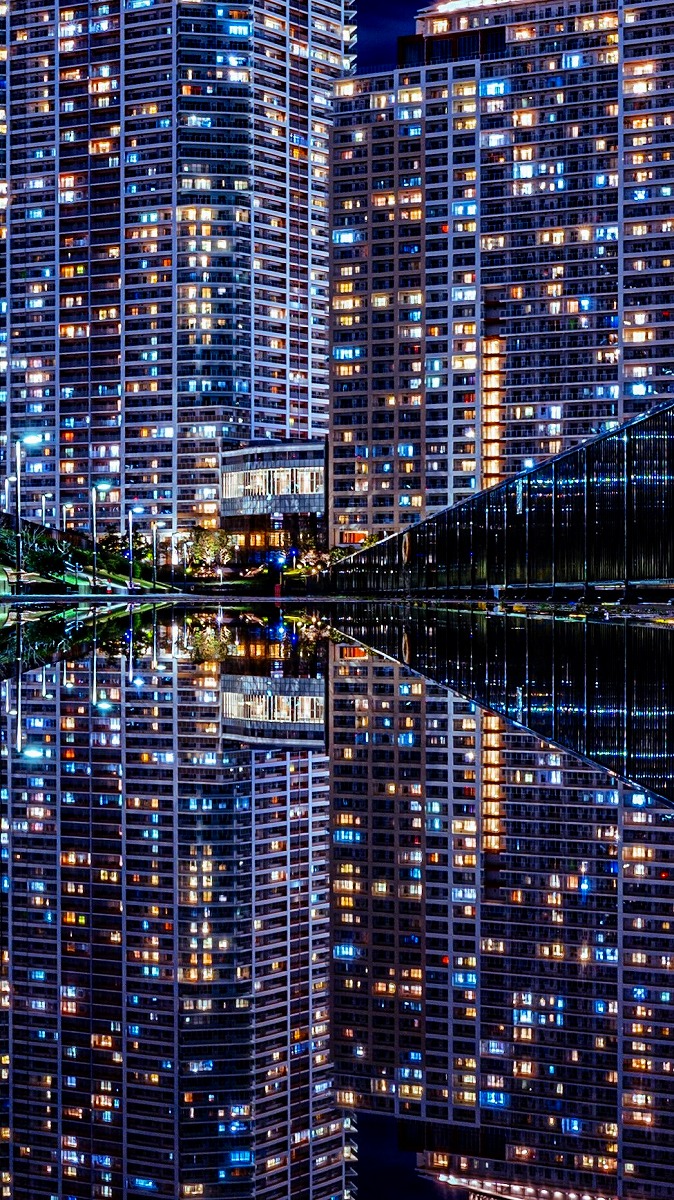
<point x="502" y="280"/>
<point x="167" y="246"/>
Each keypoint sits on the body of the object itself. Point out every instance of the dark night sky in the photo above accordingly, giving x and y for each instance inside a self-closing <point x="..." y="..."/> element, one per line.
<point x="379" y="24"/>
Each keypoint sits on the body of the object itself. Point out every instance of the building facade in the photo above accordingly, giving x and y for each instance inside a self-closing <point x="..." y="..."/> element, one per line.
<point x="166" y="922"/>
<point x="274" y="499"/>
<point x="502" y="278"/>
<point x="167" y="247"/>
<point x="591" y="518"/>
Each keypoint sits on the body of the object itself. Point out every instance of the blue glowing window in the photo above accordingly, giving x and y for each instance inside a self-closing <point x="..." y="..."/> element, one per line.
<point x="464" y="979"/>
<point x="494" y="87"/>
<point x="346" y="237"/>
<point x="463" y="894"/>
<point x="572" y="1125"/>
<point x="494" y="1100"/>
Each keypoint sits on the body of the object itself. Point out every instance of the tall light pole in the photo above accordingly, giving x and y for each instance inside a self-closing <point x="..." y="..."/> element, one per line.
<point x="29" y="439"/>
<point x="8" y="483"/>
<point x="17" y="448"/>
<point x="65" y="509"/>
<point x="98" y="487"/>
<point x="130" y="549"/>
<point x="154" y="553"/>
<point x="94" y="532"/>
<point x="43" y="505"/>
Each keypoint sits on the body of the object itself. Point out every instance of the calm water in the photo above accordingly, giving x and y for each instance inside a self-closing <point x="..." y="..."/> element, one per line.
<point x="373" y="902"/>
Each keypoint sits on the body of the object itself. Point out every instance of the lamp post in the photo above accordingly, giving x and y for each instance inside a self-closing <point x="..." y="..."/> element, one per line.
<point x="28" y="439"/>
<point x="43" y="505"/>
<point x="17" y="448"/>
<point x="94" y="534"/>
<point x="173" y="535"/>
<point x="65" y="509"/>
<point x="8" y="483"/>
<point x="103" y="488"/>
<point x="130" y="549"/>
<point x="154" y="553"/>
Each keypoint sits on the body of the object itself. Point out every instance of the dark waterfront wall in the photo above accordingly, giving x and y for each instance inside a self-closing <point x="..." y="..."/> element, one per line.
<point x="599" y="516"/>
<point x="602" y="689"/>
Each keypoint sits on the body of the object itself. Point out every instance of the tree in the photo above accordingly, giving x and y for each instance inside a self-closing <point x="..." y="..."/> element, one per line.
<point x="46" y="557"/>
<point x="211" y="548"/>
<point x="40" y="553"/>
<point x="7" y="546"/>
<point x="310" y="557"/>
<point x="113" y="552"/>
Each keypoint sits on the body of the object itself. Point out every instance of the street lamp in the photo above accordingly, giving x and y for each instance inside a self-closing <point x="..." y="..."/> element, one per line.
<point x="17" y="448"/>
<point x="153" y="527"/>
<point x="94" y="533"/>
<point x="65" y="509"/>
<point x="43" y="505"/>
<point x="131" y="550"/>
<point x="28" y="439"/>
<point x="8" y="482"/>
<point x="174" y="555"/>
<point x="137" y="508"/>
<point x="102" y="487"/>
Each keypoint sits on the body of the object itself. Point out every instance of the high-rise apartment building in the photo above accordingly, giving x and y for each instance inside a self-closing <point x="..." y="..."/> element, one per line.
<point x="167" y="245"/>
<point x="166" y="927"/>
<point x="502" y="269"/>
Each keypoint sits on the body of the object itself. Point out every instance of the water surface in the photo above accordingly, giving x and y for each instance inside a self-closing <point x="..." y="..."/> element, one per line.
<point x="281" y="909"/>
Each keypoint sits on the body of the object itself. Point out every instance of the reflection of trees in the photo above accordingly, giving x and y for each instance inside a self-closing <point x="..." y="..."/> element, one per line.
<point x="53" y="636"/>
<point x="210" y="636"/>
<point x="210" y="643"/>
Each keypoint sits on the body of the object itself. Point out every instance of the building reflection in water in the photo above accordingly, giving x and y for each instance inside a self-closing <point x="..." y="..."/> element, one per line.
<point x="166" y="923"/>
<point x="181" y="1021"/>
<point x="502" y="942"/>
